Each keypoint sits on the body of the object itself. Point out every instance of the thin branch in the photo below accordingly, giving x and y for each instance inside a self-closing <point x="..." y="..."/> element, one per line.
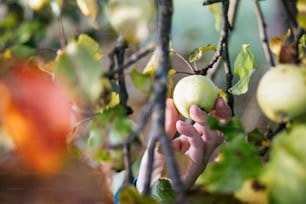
<point x="132" y="60"/>
<point x="290" y="14"/>
<point x="160" y="93"/>
<point x="263" y="33"/>
<point x="232" y="12"/>
<point x="227" y="64"/>
<point x="191" y="67"/>
<point x="62" y="32"/>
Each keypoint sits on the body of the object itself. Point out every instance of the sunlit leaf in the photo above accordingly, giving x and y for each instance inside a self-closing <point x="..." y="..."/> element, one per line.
<point x="78" y="69"/>
<point x="285" y="174"/>
<point x="142" y="81"/>
<point x="162" y="191"/>
<point x="244" y="67"/>
<point x="239" y="162"/>
<point x="90" y="9"/>
<point x="252" y="192"/>
<point x="91" y="45"/>
<point x="197" y="53"/>
<point x="276" y="43"/>
<point x="301" y="17"/>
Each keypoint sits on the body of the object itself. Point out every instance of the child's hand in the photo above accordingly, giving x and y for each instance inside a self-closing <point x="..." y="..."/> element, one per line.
<point x="196" y="141"/>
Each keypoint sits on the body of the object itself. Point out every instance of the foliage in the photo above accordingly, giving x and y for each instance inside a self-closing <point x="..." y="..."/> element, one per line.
<point x="66" y="88"/>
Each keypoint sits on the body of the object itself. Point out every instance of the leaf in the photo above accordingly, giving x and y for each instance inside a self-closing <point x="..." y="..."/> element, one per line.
<point x="233" y="128"/>
<point x="121" y="127"/>
<point x="77" y="69"/>
<point x="197" y="53"/>
<point x="244" y="67"/>
<point x="90" y="9"/>
<point x="91" y="45"/>
<point x="216" y="10"/>
<point x="142" y="81"/>
<point x="129" y="195"/>
<point x="301" y="16"/>
<point x="162" y="191"/>
<point x="239" y="162"/>
<point x="276" y="43"/>
<point x="285" y="175"/>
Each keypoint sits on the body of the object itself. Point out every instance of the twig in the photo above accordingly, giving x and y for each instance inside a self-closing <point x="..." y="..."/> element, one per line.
<point x="191" y="67"/>
<point x="232" y="12"/>
<point x="263" y="33"/>
<point x="133" y="59"/>
<point x="290" y="14"/>
<point x="222" y="50"/>
<point x="62" y="32"/>
<point x="160" y="93"/>
<point x="227" y="64"/>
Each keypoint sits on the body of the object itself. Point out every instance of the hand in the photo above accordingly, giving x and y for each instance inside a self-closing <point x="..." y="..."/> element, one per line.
<point x="196" y="141"/>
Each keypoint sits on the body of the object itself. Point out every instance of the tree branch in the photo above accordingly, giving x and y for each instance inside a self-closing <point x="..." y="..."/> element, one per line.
<point x="133" y="59"/>
<point x="160" y="93"/>
<point x="263" y="33"/>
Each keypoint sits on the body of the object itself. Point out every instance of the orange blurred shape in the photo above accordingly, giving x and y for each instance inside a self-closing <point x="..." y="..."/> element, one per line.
<point x="36" y="115"/>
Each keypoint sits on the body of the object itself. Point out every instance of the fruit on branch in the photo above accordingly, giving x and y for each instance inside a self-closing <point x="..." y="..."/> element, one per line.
<point x="194" y="90"/>
<point x="131" y="18"/>
<point x="37" y="4"/>
<point x="281" y="92"/>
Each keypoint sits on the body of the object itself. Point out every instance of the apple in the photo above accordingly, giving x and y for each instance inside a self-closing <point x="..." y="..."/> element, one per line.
<point x="281" y="92"/>
<point x="130" y="18"/>
<point x="194" y="90"/>
<point x="37" y="4"/>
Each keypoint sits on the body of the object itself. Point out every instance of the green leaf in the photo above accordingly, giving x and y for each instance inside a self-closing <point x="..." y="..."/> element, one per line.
<point x="239" y="162"/>
<point x="301" y="17"/>
<point x="142" y="81"/>
<point x="130" y="195"/>
<point x="91" y="45"/>
<point x="162" y="191"/>
<point x="233" y="128"/>
<point x="197" y="53"/>
<point x="121" y="127"/>
<point x="285" y="174"/>
<point x="244" y="67"/>
<point x="78" y="70"/>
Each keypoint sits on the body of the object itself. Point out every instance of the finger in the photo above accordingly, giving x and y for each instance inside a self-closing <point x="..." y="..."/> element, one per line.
<point x="188" y="130"/>
<point x="172" y="116"/>
<point x="198" y="115"/>
<point x="222" y="110"/>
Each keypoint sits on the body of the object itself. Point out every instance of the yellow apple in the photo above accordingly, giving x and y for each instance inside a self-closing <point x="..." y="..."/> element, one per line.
<point x="281" y="92"/>
<point x="194" y="90"/>
<point x="37" y="4"/>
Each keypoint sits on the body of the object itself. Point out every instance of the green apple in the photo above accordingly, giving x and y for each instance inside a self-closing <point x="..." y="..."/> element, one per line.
<point x="194" y="90"/>
<point x="131" y="18"/>
<point x="281" y="92"/>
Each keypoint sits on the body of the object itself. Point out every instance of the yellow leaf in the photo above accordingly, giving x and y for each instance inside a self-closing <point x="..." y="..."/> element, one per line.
<point x="276" y="43"/>
<point x="222" y="94"/>
<point x="90" y="9"/>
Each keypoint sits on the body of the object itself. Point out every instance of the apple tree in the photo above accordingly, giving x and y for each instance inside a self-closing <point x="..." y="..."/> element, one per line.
<point x="71" y="72"/>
